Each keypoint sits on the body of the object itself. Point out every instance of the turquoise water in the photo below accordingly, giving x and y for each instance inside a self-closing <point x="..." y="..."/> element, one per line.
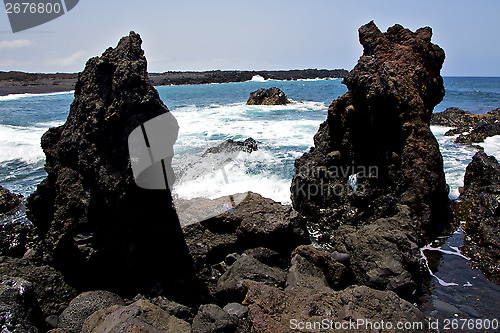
<point x="210" y="114"/>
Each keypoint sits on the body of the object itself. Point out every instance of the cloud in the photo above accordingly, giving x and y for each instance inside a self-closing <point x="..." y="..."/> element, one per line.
<point x="15" y="44"/>
<point x="73" y="59"/>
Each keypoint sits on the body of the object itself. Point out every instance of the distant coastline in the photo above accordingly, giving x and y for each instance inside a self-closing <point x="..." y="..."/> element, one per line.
<point x="38" y="83"/>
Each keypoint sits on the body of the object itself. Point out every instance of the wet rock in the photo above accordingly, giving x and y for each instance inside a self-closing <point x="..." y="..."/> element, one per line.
<point x="477" y="126"/>
<point x="84" y="305"/>
<point x="95" y="224"/>
<point x="483" y="130"/>
<point x="140" y="316"/>
<point x="212" y="319"/>
<point x="454" y="117"/>
<point x="229" y="146"/>
<point x="19" y="311"/>
<point x="383" y="255"/>
<point x="445" y="308"/>
<point x="271" y="96"/>
<point x="9" y="201"/>
<point x="51" y="290"/>
<point x="480" y="209"/>
<point x="230" y="284"/>
<point x="274" y="310"/>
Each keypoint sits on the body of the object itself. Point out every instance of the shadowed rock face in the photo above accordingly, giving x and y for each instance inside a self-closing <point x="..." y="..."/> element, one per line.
<point x="95" y="224"/>
<point x="380" y="131"/>
<point x="8" y="201"/>
<point x="480" y="209"/>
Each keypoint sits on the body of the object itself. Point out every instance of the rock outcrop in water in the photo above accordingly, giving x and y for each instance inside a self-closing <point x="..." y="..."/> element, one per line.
<point x="271" y="96"/>
<point x="373" y="186"/>
<point x="9" y="201"/>
<point x="477" y="126"/>
<point x="95" y="224"/>
<point x="479" y="207"/>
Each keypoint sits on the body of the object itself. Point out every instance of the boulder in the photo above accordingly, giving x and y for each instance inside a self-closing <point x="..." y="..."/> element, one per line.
<point x="274" y="310"/>
<point x="229" y="146"/>
<point x="479" y="207"/>
<point x="336" y="274"/>
<point x="19" y="311"/>
<point x="271" y="96"/>
<point x="84" y="305"/>
<point x="376" y="148"/>
<point x="140" y="316"/>
<point x="230" y="284"/>
<point x="9" y="201"/>
<point x="255" y="222"/>
<point x="51" y="290"/>
<point x="212" y="319"/>
<point x="95" y="224"/>
<point x="383" y="255"/>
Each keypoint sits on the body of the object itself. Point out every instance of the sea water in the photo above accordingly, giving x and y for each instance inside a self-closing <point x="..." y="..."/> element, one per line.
<point x="210" y="114"/>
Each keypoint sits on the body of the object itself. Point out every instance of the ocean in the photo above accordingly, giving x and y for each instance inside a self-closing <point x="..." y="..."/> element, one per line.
<point x="209" y="114"/>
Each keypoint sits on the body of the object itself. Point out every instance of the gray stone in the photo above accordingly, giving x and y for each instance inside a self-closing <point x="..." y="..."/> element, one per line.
<point x="85" y="305"/>
<point x="212" y="319"/>
<point x="236" y="309"/>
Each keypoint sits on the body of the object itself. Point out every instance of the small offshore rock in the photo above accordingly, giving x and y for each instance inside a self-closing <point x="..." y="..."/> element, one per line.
<point x="271" y="96"/>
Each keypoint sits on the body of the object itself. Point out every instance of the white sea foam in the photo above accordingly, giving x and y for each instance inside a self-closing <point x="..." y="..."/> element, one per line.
<point x="23" y="143"/>
<point x="270" y="124"/>
<point x="456" y="157"/>
<point x="276" y="127"/>
<point x="491" y="146"/>
<point x="206" y="179"/>
<point x="258" y="78"/>
<point x="13" y="97"/>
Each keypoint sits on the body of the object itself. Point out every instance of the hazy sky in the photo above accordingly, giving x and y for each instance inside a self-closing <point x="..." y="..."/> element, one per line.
<point x="257" y="34"/>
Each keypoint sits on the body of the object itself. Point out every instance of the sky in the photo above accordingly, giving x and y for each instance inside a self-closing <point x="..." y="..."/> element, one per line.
<point x="252" y="35"/>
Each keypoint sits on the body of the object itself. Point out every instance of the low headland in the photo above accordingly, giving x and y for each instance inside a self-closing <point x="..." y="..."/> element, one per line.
<point x="14" y="82"/>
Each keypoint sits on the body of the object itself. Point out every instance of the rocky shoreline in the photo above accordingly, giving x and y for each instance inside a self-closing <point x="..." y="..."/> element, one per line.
<point x="37" y="83"/>
<point x="107" y="255"/>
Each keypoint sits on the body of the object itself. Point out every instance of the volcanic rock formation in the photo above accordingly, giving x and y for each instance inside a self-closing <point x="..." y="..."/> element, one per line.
<point x="271" y="96"/>
<point x="479" y="207"/>
<point x="95" y="224"/>
<point x="373" y="186"/>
